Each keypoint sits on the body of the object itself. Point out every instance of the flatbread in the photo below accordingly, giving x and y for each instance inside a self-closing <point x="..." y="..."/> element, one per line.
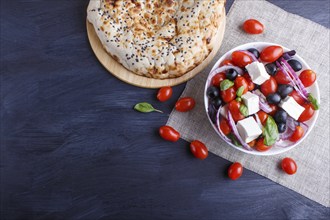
<point x="157" y="38"/>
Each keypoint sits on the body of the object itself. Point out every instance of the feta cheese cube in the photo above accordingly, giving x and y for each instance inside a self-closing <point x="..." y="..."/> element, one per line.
<point x="292" y="107"/>
<point x="257" y="72"/>
<point x="223" y="111"/>
<point x="248" y="129"/>
<point x="252" y="102"/>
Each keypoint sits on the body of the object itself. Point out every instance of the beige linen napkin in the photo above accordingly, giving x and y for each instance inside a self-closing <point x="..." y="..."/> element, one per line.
<point x="311" y="41"/>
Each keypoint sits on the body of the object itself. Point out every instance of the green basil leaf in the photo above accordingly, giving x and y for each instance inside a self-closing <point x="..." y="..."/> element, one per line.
<point x="234" y="140"/>
<point x="145" y="107"/>
<point x="244" y="110"/>
<point x="226" y="84"/>
<point x="270" y="131"/>
<point x="314" y="101"/>
<point x="240" y="91"/>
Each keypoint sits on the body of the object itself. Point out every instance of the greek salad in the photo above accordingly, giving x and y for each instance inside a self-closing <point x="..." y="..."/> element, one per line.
<point x="259" y="98"/>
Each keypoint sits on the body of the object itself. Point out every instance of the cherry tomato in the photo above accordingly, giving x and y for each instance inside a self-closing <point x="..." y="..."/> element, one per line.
<point x="249" y="81"/>
<point x="227" y="63"/>
<point x="297" y="134"/>
<point x="307" y="77"/>
<point x="262" y="116"/>
<point x="253" y="26"/>
<point x="224" y="126"/>
<point x="260" y="146"/>
<point x="241" y="59"/>
<point x="198" y="149"/>
<point x="233" y="107"/>
<point x="296" y="96"/>
<point x="307" y="113"/>
<point x="271" y="54"/>
<point x="228" y="94"/>
<point x="281" y="78"/>
<point x="164" y="93"/>
<point x="168" y="133"/>
<point x="252" y="143"/>
<point x="289" y="166"/>
<point x="216" y="79"/>
<point x="274" y="109"/>
<point x="269" y="87"/>
<point x="185" y="104"/>
<point x="241" y="81"/>
<point x="235" y="171"/>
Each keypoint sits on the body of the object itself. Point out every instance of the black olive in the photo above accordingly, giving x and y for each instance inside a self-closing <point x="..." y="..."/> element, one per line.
<point x="280" y="116"/>
<point x="216" y="102"/>
<point x="231" y="74"/>
<point x="274" y="98"/>
<point x="255" y="52"/>
<point x="281" y="127"/>
<point x="271" y="68"/>
<point x="295" y="64"/>
<point x="213" y="92"/>
<point x="284" y="90"/>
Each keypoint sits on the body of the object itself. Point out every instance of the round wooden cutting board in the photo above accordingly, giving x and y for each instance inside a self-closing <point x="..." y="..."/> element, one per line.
<point x="127" y="76"/>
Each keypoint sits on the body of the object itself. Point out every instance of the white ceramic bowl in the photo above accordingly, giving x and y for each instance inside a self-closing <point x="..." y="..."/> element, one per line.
<point x="314" y="89"/>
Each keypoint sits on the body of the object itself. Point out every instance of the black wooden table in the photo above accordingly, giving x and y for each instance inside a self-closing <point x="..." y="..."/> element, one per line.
<point x="73" y="148"/>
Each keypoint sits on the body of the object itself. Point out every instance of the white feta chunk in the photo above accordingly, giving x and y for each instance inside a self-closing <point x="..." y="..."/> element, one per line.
<point x="223" y="111"/>
<point x="252" y="102"/>
<point x="257" y="72"/>
<point x="292" y="107"/>
<point x="248" y="129"/>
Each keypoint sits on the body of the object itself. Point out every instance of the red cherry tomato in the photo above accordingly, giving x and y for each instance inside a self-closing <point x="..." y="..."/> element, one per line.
<point x="198" y="149"/>
<point x="241" y="59"/>
<point x="216" y="79"/>
<point x="307" y="113"/>
<point x="253" y="26"/>
<point x="260" y="146"/>
<point x="289" y="166"/>
<point x="297" y="134"/>
<point x="307" y="77"/>
<point x="228" y="94"/>
<point x="274" y="109"/>
<point x="235" y="171"/>
<point x="168" y="133"/>
<point x="262" y="116"/>
<point x="269" y="87"/>
<point x="164" y="93"/>
<point x="249" y="81"/>
<point x="281" y="78"/>
<point x="224" y="126"/>
<point x="252" y="143"/>
<point x="185" y="104"/>
<point x="271" y="53"/>
<point x="233" y="107"/>
<point x="227" y="63"/>
<point x="296" y="96"/>
<point x="241" y="81"/>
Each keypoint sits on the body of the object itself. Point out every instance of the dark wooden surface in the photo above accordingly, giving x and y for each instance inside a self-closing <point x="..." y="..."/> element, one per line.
<point x="73" y="148"/>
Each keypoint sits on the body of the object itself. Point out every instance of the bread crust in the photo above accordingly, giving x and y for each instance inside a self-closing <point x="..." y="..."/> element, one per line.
<point x="157" y="38"/>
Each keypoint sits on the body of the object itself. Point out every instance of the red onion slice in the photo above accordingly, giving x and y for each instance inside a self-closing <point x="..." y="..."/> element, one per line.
<point x="291" y="80"/>
<point x="263" y="105"/>
<point x="295" y="78"/>
<point x="218" y="127"/>
<point x="249" y="54"/>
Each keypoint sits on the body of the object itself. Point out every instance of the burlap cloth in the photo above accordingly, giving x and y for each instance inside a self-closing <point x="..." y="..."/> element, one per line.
<point x="311" y="41"/>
